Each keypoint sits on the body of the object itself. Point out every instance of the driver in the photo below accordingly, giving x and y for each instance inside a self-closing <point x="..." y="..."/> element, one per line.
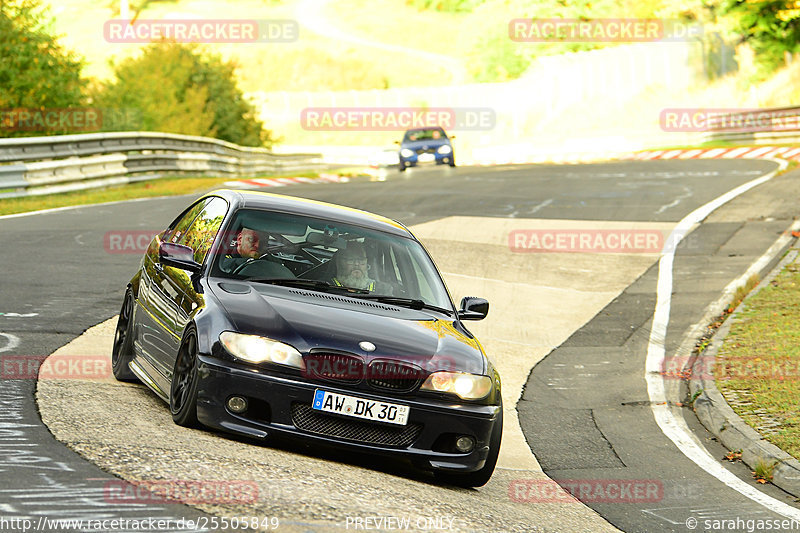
<point x="248" y="243"/>
<point x="352" y="270"/>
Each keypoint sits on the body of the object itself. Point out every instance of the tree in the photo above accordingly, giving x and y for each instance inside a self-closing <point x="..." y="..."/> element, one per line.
<point x="36" y="73"/>
<point x="173" y="88"/>
<point x="772" y="27"/>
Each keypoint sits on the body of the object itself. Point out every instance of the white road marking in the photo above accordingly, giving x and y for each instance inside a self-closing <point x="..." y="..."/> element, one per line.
<point x="12" y="342"/>
<point x="674" y="427"/>
<point x="540" y="206"/>
<point x="687" y="193"/>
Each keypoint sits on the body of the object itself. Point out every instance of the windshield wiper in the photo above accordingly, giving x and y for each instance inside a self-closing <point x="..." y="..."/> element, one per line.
<point x="406" y="302"/>
<point x="323" y="286"/>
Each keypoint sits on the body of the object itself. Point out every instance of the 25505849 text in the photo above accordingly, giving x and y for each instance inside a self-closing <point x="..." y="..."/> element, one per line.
<point x="237" y="523"/>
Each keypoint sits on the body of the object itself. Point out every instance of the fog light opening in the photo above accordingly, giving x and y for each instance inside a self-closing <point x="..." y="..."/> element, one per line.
<point x="465" y="444"/>
<point x="237" y="404"/>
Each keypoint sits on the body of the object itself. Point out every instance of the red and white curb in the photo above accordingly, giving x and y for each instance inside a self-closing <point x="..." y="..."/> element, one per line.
<point x="741" y="152"/>
<point x="282" y="182"/>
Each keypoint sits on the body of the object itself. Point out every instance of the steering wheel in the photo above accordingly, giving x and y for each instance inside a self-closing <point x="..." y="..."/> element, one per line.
<point x="241" y="267"/>
<point x="399" y="289"/>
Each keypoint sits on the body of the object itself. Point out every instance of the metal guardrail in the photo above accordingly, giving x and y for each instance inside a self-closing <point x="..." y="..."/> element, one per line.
<point x="45" y="165"/>
<point x="756" y="126"/>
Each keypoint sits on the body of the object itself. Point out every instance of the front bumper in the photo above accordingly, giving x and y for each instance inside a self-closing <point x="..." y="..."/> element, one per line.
<point x="439" y="159"/>
<point x="278" y="405"/>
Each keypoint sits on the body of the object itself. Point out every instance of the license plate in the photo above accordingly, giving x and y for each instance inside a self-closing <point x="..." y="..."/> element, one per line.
<point x="424" y="158"/>
<point x="341" y="404"/>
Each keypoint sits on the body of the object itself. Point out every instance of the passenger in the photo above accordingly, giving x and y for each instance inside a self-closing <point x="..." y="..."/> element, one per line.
<point x="437" y="134"/>
<point x="352" y="270"/>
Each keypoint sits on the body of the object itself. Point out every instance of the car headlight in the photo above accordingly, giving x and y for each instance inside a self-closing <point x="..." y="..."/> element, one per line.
<point x="405" y="152"/>
<point x="255" y="349"/>
<point x="466" y="386"/>
<point x="444" y="149"/>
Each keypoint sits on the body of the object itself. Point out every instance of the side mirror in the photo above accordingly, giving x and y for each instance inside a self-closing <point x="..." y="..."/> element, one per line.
<point x="178" y="256"/>
<point x="473" y="308"/>
<point x="397" y="143"/>
<point x="452" y="137"/>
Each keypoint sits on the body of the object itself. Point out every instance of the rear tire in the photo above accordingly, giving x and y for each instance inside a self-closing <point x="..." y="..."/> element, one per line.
<point x="482" y="476"/>
<point x="183" y="390"/>
<point x="122" y="352"/>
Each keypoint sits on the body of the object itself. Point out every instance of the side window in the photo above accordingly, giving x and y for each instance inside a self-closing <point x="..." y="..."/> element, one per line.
<point x="181" y="224"/>
<point x="204" y="228"/>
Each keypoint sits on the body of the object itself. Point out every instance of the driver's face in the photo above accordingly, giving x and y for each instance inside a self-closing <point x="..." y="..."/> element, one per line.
<point x="353" y="265"/>
<point x="247" y="243"/>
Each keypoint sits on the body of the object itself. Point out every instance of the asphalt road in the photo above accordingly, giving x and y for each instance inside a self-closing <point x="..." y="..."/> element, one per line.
<point x="59" y="279"/>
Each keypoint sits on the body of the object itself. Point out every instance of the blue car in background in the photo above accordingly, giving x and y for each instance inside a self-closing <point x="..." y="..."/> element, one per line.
<point x="426" y="145"/>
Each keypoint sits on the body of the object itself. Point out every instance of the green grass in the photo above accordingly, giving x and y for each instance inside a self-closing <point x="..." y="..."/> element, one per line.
<point x="146" y="189"/>
<point x="168" y="186"/>
<point x="760" y="360"/>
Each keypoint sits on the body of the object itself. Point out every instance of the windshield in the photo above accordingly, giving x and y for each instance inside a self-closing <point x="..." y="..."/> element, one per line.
<point x="324" y="255"/>
<point x="425" y="135"/>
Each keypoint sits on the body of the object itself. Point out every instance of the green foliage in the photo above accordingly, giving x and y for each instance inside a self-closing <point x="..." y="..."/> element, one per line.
<point x="36" y="73"/>
<point x="772" y="27"/>
<point x="451" y="6"/>
<point x="497" y="58"/>
<point x="173" y="88"/>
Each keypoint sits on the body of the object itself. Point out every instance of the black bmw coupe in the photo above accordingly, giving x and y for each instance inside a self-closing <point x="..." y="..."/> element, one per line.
<point x="260" y="314"/>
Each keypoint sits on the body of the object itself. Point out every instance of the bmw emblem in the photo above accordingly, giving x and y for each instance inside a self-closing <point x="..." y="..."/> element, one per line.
<point x="366" y="346"/>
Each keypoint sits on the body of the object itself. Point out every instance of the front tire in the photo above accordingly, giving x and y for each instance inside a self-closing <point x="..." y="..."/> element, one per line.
<point x="122" y="352"/>
<point x="183" y="391"/>
<point x="482" y="476"/>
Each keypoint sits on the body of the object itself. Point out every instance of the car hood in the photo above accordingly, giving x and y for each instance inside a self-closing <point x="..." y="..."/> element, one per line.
<point x="430" y="143"/>
<point x="309" y="320"/>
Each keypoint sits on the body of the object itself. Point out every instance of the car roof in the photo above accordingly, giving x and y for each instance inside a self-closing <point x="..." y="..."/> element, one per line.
<point x="312" y="208"/>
